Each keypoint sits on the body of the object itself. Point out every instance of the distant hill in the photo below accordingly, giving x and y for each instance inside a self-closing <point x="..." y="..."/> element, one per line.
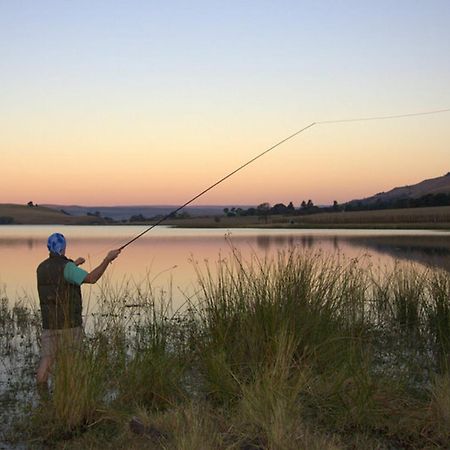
<point x="148" y="211"/>
<point x="39" y="215"/>
<point x="439" y="185"/>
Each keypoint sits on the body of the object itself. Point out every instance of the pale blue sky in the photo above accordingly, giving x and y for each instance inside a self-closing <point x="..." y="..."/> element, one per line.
<point x="78" y="76"/>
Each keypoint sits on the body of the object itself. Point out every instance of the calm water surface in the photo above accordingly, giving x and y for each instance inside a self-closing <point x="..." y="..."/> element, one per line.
<point x="165" y="254"/>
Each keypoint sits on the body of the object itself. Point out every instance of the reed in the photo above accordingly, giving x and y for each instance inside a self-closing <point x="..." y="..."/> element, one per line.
<point x="79" y="388"/>
<point x="269" y="406"/>
<point x="438" y="315"/>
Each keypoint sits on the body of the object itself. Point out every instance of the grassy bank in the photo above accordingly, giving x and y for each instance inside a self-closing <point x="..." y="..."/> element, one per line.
<point x="40" y="215"/>
<point x="298" y="352"/>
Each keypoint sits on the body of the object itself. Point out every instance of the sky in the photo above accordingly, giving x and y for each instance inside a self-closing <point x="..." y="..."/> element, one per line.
<point x="149" y="102"/>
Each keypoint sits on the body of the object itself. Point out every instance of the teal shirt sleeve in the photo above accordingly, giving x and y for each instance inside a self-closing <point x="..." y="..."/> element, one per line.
<point x="73" y="274"/>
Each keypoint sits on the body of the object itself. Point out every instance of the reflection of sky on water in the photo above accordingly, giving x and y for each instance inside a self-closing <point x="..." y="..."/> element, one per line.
<point x="165" y="254"/>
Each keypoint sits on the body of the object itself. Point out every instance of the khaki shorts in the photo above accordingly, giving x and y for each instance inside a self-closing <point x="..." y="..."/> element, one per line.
<point x="63" y="339"/>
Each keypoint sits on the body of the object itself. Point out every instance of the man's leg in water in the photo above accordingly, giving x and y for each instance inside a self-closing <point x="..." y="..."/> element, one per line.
<point x="44" y="369"/>
<point x="42" y="375"/>
<point x="69" y="339"/>
<point x="48" y="352"/>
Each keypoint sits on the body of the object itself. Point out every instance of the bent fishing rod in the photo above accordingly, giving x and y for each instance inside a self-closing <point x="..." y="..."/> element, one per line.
<point x="215" y="184"/>
<point x="323" y="122"/>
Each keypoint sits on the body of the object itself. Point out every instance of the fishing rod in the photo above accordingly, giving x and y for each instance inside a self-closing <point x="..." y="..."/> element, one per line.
<point x="215" y="184"/>
<point x="323" y="122"/>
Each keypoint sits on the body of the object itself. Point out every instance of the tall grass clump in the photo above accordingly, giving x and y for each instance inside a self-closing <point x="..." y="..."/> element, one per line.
<point x="363" y="341"/>
<point x="79" y="387"/>
<point x="438" y="317"/>
<point x="318" y="303"/>
<point x="145" y="345"/>
<point x="154" y="370"/>
<point x="269" y="407"/>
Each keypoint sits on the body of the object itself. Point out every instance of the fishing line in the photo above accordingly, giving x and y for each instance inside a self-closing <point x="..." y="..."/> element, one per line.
<point x="323" y="122"/>
<point x="396" y="116"/>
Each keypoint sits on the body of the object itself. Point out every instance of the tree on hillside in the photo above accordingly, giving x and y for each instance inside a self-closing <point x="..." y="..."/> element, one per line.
<point x="263" y="208"/>
<point x="279" y="208"/>
<point x="290" y="208"/>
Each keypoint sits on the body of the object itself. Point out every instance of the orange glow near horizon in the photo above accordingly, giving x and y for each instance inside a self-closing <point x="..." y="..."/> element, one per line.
<point x="324" y="164"/>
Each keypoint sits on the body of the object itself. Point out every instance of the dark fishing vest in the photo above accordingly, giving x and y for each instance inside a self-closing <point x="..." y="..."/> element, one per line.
<point x="60" y="301"/>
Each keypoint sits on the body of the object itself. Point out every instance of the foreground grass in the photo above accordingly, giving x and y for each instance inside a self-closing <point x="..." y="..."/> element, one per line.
<point x="301" y="352"/>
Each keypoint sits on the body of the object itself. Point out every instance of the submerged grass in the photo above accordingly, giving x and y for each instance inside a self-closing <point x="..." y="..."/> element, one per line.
<point x="298" y="352"/>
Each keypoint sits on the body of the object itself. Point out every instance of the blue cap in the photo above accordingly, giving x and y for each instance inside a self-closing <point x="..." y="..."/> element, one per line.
<point x="56" y="243"/>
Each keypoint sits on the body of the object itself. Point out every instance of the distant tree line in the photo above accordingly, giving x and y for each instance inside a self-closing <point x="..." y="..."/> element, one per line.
<point x="98" y="215"/>
<point x="142" y="218"/>
<point x="264" y="209"/>
<point x="308" y="207"/>
<point x="305" y="207"/>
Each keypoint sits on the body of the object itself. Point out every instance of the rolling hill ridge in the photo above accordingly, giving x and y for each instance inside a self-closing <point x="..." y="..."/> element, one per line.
<point x="432" y="186"/>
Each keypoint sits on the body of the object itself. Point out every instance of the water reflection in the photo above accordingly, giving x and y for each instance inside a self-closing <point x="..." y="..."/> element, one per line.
<point x="266" y="242"/>
<point x="428" y="250"/>
<point x="433" y="251"/>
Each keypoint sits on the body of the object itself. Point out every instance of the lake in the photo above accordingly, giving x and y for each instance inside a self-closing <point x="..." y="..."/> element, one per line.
<point x="166" y="255"/>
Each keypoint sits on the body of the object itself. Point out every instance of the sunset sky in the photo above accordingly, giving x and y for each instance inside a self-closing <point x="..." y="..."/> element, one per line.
<point x="149" y="102"/>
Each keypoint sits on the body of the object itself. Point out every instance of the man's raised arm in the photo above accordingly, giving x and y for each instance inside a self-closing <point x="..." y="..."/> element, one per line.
<point x="93" y="276"/>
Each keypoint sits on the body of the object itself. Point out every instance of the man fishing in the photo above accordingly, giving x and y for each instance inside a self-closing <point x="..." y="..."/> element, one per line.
<point x="59" y="280"/>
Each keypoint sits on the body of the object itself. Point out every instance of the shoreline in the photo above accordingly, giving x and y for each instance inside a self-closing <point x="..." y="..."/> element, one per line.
<point x="406" y="226"/>
<point x="308" y="226"/>
<point x="426" y="218"/>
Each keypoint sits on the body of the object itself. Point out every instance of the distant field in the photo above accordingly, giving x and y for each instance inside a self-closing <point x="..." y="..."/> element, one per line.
<point x="39" y="215"/>
<point x="435" y="217"/>
<point x="430" y="216"/>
